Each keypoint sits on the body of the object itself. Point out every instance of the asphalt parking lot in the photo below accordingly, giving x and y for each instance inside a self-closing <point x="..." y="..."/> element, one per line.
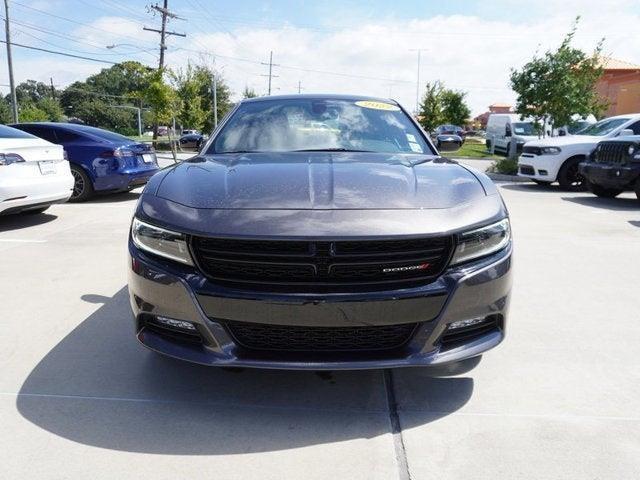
<point x="79" y="398"/>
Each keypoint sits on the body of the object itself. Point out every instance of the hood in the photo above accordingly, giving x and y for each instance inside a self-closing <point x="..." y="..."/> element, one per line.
<point x="566" y="140"/>
<point x="319" y="181"/>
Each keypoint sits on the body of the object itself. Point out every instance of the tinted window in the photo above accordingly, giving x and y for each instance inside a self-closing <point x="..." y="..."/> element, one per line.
<point x="65" y="136"/>
<point x="635" y="127"/>
<point x="8" y="132"/>
<point x="319" y="124"/>
<point x="102" y="134"/>
<point x="43" y="132"/>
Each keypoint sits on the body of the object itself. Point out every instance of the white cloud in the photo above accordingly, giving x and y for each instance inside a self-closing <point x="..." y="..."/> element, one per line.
<point x="466" y="52"/>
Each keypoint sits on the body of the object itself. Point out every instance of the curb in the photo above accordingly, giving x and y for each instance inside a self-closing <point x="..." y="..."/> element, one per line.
<point x="501" y="177"/>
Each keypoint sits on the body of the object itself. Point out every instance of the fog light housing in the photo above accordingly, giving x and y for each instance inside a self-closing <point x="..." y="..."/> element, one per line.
<point x="543" y="172"/>
<point x="173" y="323"/>
<point x="464" y="323"/>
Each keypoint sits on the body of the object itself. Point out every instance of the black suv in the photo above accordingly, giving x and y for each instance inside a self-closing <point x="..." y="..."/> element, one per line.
<point x="614" y="167"/>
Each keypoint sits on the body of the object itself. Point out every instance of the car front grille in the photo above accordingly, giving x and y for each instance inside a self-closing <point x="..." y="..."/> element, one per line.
<point x="268" y="337"/>
<point x="527" y="170"/>
<point x="321" y="265"/>
<point x="612" y="152"/>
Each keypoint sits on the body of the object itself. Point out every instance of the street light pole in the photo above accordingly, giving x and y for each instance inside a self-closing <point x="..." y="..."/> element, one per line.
<point x="138" y="111"/>
<point x="12" y="85"/>
<point x="419" y="50"/>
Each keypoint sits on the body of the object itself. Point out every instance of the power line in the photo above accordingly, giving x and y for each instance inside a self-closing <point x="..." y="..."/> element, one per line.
<point x="31" y="47"/>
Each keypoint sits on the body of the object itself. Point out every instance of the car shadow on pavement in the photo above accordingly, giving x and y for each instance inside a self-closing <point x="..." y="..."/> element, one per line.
<point x="114" y="197"/>
<point x="99" y="387"/>
<point x="635" y="223"/>
<point x="531" y="187"/>
<point x="616" y="204"/>
<point x="24" y="220"/>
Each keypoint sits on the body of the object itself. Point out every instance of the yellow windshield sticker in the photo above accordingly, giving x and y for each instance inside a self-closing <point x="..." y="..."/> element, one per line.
<point x="377" y="105"/>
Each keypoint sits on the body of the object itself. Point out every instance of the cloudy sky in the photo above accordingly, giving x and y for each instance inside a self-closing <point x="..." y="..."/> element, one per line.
<point x="336" y="46"/>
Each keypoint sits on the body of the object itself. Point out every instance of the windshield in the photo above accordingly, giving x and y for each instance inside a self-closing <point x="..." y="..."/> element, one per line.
<point x="307" y="124"/>
<point x="603" y="127"/>
<point x="524" y="128"/>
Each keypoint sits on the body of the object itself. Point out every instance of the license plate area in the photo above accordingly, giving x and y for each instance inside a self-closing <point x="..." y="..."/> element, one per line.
<point x="47" y="168"/>
<point x="149" y="157"/>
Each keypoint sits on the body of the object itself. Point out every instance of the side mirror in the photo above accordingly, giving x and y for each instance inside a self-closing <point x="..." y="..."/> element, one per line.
<point x="626" y="132"/>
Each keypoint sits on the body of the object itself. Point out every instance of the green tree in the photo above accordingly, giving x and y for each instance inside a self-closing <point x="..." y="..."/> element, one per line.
<point x="430" y="113"/>
<point x="92" y="100"/>
<point x="223" y="93"/>
<point x="454" y="109"/>
<point x="249" y="93"/>
<point x="189" y="86"/>
<point x="5" y="111"/>
<point x="561" y="83"/>
<point x="161" y="97"/>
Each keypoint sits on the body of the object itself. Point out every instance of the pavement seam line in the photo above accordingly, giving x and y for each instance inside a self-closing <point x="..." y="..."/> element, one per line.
<point x="396" y="427"/>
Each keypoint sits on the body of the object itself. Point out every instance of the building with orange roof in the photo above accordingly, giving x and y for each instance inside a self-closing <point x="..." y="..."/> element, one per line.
<point x="620" y="86"/>
<point x="481" y="119"/>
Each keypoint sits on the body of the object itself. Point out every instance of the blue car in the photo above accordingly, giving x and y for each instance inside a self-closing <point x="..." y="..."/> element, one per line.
<point x="101" y="161"/>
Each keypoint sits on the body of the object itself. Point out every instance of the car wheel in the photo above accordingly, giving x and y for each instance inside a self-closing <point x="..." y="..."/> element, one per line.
<point x="542" y="183"/>
<point x="601" y="191"/>
<point x="82" y="186"/>
<point x="570" y="178"/>
<point x="637" y="188"/>
<point x="36" y="211"/>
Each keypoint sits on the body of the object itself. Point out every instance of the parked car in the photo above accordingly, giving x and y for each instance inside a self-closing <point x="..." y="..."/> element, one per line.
<point x="191" y="140"/>
<point x="284" y="245"/>
<point x="613" y="167"/>
<point x="449" y="137"/>
<point x="190" y="132"/>
<point x="101" y="161"/>
<point x="33" y="173"/>
<point x="503" y="127"/>
<point x="557" y="158"/>
<point x="450" y="130"/>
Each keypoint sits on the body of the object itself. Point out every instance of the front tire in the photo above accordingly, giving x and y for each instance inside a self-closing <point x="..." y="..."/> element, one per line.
<point x="570" y="178"/>
<point x="82" y="186"/>
<point x="601" y="191"/>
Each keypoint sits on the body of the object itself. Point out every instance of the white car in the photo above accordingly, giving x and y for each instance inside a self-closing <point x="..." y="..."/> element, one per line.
<point x="503" y="127"/>
<point x="556" y="158"/>
<point x="34" y="173"/>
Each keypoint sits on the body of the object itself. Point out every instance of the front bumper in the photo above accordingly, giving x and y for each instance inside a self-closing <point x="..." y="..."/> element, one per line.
<point x="539" y="167"/>
<point x="611" y="175"/>
<point x="159" y="288"/>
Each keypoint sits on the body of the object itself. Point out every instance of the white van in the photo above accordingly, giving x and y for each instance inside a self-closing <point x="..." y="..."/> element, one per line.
<point x="502" y="127"/>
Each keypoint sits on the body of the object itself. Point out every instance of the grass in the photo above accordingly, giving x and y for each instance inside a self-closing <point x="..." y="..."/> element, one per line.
<point x="473" y="150"/>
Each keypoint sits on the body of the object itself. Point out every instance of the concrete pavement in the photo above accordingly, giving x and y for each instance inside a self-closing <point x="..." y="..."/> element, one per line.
<point x="80" y="398"/>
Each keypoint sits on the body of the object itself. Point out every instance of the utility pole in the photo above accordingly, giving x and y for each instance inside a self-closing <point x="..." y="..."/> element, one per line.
<point x="271" y="75"/>
<point x="166" y="14"/>
<point x="12" y="85"/>
<point x="214" y="90"/>
<point x="299" y="86"/>
<point x="53" y="89"/>
<point x="419" y="50"/>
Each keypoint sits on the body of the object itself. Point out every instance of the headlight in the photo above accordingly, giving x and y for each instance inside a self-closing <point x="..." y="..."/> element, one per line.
<point x="159" y="241"/>
<point x="482" y="241"/>
<point x="550" y="150"/>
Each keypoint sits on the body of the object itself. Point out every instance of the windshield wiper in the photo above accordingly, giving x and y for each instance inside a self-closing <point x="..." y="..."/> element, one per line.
<point x="334" y="149"/>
